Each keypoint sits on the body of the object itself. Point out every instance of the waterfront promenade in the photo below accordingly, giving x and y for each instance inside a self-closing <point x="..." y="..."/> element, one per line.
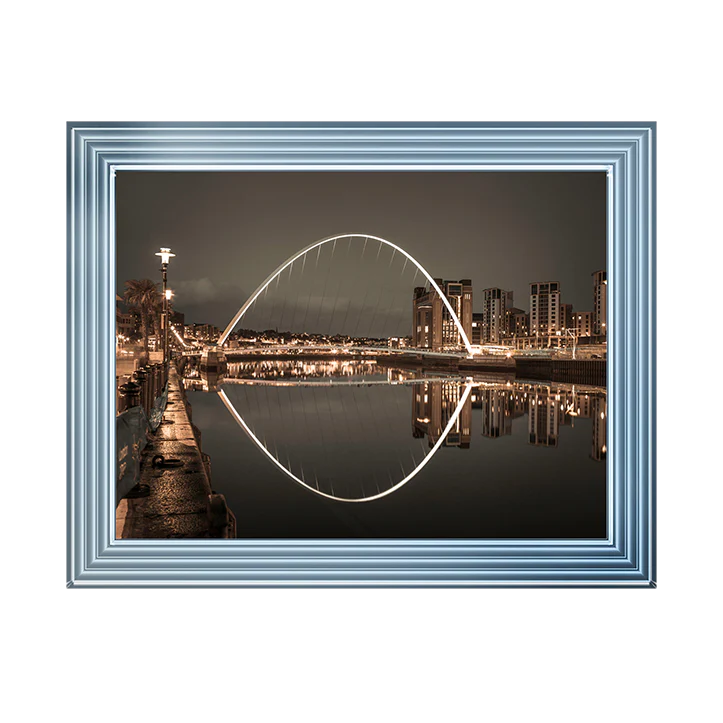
<point x="181" y="503"/>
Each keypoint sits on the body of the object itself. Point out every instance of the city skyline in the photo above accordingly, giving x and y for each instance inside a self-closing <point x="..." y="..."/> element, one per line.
<point x="504" y="230"/>
<point x="500" y="321"/>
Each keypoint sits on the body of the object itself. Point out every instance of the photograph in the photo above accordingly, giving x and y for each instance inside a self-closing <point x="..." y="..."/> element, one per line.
<point x="347" y="355"/>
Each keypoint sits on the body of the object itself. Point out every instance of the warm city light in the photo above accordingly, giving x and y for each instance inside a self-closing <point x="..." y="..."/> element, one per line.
<point x="165" y="255"/>
<point x="336" y="345"/>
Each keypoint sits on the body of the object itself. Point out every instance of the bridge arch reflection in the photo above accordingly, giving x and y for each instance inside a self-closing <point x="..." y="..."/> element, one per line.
<point x="451" y="422"/>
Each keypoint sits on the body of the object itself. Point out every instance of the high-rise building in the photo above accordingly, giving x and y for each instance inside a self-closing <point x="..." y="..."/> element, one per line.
<point x="545" y="309"/>
<point x="568" y="321"/>
<point x="432" y="325"/>
<point x="600" y="303"/>
<point x="476" y="328"/>
<point x="583" y="323"/>
<point x="495" y="303"/>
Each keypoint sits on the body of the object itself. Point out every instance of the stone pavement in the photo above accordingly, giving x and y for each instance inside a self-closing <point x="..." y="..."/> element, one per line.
<point x="180" y="497"/>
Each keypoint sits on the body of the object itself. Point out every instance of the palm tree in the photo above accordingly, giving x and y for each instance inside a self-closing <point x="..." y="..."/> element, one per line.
<point x="143" y="297"/>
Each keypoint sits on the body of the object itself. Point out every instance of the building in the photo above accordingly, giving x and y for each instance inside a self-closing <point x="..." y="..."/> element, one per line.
<point x="178" y="321"/>
<point x="568" y="317"/>
<point x="125" y="322"/>
<point x="398" y="342"/>
<point x="583" y="323"/>
<point x="202" y="332"/>
<point x="476" y="328"/>
<point x="600" y="303"/>
<point x="517" y="323"/>
<point x="495" y="303"/>
<point x="432" y="325"/>
<point x="545" y="309"/>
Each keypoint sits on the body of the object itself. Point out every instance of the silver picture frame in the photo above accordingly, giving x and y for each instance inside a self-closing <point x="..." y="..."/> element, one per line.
<point x="96" y="152"/>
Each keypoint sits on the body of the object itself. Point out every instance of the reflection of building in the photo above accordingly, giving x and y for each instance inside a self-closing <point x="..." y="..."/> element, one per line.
<point x="495" y="303"/>
<point x="600" y="303"/>
<point x="545" y="310"/>
<point x="599" y="427"/>
<point x="544" y="417"/>
<point x="433" y="404"/>
<point x="433" y="326"/>
<point x="577" y="405"/>
<point x="497" y="412"/>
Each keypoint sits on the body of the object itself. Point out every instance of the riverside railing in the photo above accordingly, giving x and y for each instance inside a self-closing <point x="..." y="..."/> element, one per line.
<point x="141" y="388"/>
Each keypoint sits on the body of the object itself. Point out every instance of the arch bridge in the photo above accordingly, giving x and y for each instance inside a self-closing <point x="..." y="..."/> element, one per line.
<point x="301" y="256"/>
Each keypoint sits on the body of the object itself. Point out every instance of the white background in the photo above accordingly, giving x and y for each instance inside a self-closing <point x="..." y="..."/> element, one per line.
<point x="339" y="655"/>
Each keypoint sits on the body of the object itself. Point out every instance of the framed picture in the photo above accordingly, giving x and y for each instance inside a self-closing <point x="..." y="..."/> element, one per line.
<point x="361" y="354"/>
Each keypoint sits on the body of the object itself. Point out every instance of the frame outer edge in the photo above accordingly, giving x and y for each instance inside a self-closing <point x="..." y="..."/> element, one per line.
<point x="89" y="321"/>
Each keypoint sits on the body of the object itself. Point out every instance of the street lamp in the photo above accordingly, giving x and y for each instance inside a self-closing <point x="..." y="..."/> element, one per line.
<point x="169" y="297"/>
<point x="166" y="256"/>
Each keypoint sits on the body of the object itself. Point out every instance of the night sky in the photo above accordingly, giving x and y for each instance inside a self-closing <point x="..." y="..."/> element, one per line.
<point x="230" y="230"/>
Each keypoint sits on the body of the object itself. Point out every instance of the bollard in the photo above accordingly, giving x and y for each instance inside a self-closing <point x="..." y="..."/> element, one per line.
<point x="219" y="517"/>
<point x="130" y="396"/>
<point x="154" y="383"/>
<point x="149" y="389"/>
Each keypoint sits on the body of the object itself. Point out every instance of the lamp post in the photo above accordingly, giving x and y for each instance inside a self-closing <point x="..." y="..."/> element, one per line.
<point x="166" y="256"/>
<point x="169" y="297"/>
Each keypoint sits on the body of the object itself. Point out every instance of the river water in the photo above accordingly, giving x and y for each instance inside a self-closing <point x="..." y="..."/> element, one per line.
<point x="350" y="449"/>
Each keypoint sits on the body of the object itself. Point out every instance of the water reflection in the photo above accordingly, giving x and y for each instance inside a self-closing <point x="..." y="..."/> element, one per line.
<point x="434" y="454"/>
<point x="336" y="443"/>
<point x="433" y="403"/>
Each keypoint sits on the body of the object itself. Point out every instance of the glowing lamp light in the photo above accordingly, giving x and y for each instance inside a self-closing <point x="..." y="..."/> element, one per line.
<point x="169" y="294"/>
<point x="165" y="255"/>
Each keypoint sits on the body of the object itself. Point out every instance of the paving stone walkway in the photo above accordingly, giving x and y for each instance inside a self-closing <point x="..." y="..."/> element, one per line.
<point x="177" y="505"/>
